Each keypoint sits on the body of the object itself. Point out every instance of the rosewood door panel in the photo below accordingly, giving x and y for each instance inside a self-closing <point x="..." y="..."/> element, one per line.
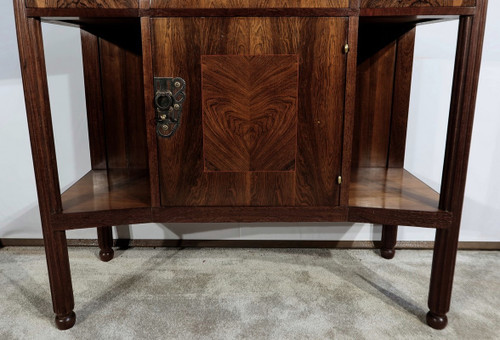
<point x="249" y="123"/>
<point x="263" y="116"/>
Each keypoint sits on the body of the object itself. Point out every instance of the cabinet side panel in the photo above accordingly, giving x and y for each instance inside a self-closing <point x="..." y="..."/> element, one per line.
<point x="93" y="97"/>
<point x="123" y="98"/>
<point x="401" y="99"/>
<point x="375" y="79"/>
<point x="385" y="62"/>
<point x="249" y="123"/>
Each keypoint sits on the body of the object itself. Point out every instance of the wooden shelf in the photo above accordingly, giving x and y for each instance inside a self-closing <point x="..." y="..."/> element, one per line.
<point x="391" y="189"/>
<point x="394" y="197"/>
<point x="108" y="190"/>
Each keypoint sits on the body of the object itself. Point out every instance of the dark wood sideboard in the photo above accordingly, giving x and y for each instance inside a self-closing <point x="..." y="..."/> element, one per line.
<point x="249" y="111"/>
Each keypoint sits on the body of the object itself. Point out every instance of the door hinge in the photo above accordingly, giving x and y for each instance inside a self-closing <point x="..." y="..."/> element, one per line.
<point x="339" y="180"/>
<point x="346" y="48"/>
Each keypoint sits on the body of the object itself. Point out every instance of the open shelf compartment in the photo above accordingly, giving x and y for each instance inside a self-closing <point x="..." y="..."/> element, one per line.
<point x="101" y="190"/>
<point x="393" y="196"/>
<point x="392" y="188"/>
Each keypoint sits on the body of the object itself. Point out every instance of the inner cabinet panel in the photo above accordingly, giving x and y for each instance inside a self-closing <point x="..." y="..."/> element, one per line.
<point x="261" y="124"/>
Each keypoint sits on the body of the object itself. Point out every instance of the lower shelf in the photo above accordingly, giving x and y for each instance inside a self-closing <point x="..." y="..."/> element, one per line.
<point x="377" y="195"/>
<point x="102" y="190"/>
<point x="391" y="189"/>
<point x="394" y="197"/>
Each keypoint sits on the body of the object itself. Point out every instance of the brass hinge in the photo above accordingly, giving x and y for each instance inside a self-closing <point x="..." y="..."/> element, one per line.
<point x="339" y="180"/>
<point x="346" y="48"/>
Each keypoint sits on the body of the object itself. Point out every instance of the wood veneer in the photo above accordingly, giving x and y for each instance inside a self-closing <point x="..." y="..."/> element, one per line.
<point x="94" y="101"/>
<point x="250" y="4"/>
<point x="118" y="4"/>
<point x="250" y="122"/>
<point x="114" y="96"/>
<point x="183" y="179"/>
<point x="384" y="69"/>
<point x="416" y="3"/>
<point x="108" y="190"/>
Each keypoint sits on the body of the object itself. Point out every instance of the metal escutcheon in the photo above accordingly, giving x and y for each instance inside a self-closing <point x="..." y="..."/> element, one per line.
<point x="170" y="94"/>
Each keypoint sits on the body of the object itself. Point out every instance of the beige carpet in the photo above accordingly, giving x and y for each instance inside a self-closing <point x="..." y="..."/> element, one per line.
<point x="248" y="294"/>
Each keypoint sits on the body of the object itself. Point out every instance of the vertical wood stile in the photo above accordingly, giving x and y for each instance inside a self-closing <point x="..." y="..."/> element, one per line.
<point x="465" y="82"/>
<point x="149" y="113"/>
<point x="34" y="76"/>
<point x="350" y="107"/>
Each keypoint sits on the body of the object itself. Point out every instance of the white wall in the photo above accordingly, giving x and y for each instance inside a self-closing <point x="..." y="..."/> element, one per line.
<point x="434" y="52"/>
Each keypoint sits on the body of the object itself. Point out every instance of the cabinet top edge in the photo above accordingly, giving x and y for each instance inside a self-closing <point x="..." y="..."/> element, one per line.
<point x="116" y="5"/>
<point x="75" y="9"/>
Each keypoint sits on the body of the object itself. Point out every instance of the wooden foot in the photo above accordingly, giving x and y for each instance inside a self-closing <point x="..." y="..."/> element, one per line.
<point x="443" y="268"/>
<point x="56" y="249"/>
<point x="389" y="238"/>
<point x="64" y="322"/>
<point x="105" y="240"/>
<point x="436" y="321"/>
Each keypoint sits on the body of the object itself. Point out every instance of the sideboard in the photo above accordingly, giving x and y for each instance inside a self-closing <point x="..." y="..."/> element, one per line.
<point x="249" y="111"/>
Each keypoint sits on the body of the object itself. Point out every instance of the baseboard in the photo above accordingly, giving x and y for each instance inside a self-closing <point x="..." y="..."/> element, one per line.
<point x="123" y="243"/>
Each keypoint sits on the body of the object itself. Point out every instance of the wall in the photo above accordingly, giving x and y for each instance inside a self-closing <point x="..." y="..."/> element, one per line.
<point x="433" y="67"/>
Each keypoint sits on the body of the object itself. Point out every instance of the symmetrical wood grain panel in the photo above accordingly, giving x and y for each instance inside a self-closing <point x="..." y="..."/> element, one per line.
<point x="118" y="4"/>
<point x="416" y="3"/>
<point x="401" y="98"/>
<point x="249" y="3"/>
<point x="249" y="112"/>
<point x="178" y="47"/>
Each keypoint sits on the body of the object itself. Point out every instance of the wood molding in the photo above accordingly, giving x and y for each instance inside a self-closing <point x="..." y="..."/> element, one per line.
<point x="124" y="243"/>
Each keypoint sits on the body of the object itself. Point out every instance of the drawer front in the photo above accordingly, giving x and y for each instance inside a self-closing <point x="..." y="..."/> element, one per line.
<point x="416" y="3"/>
<point x="110" y="4"/>
<point x="250" y="4"/>
<point x="261" y="123"/>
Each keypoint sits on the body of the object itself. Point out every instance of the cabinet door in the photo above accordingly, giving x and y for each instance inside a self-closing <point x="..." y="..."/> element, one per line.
<point x="262" y="120"/>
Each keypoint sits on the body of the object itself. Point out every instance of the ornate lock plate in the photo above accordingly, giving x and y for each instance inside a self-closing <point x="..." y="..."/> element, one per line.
<point x="170" y="94"/>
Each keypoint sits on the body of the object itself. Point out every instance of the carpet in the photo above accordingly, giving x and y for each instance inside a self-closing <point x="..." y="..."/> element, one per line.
<point x="215" y="293"/>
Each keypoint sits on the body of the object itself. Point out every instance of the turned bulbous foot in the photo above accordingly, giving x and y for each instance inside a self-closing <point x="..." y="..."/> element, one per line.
<point x="106" y="255"/>
<point x="436" y="321"/>
<point x="64" y="322"/>
<point x="387" y="253"/>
